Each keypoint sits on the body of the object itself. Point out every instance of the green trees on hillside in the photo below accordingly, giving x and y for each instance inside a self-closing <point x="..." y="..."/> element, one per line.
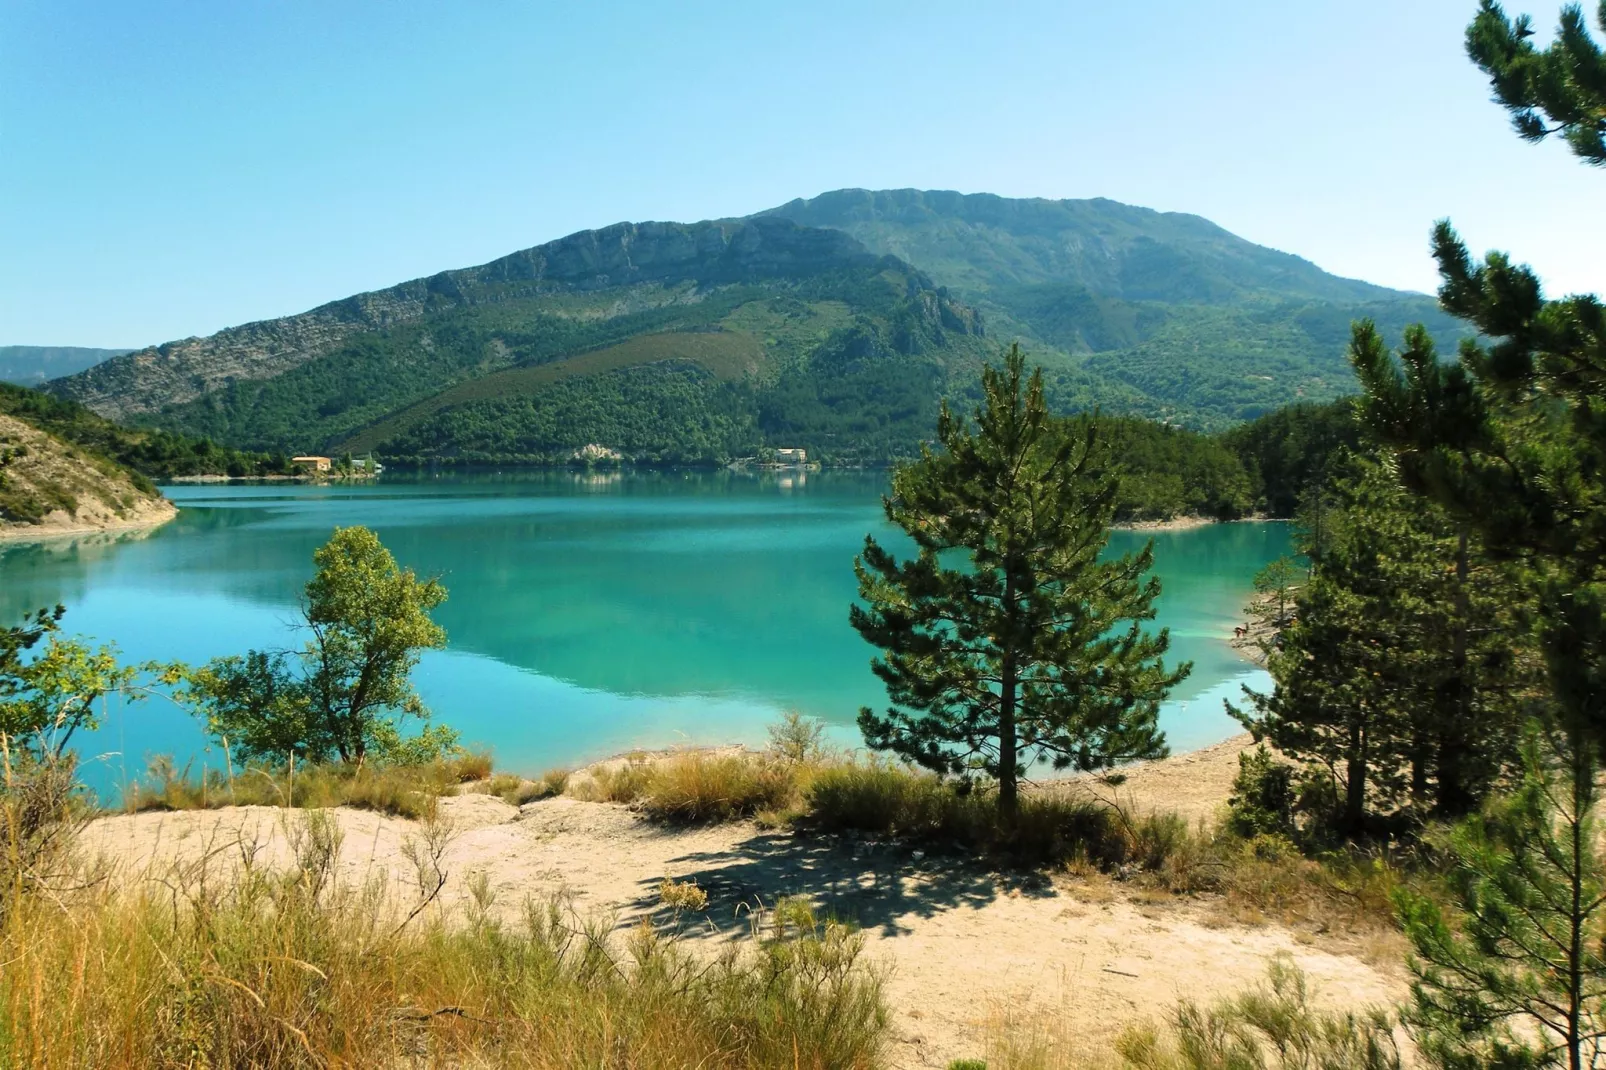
<point x="346" y="692"/>
<point x="1006" y="640"/>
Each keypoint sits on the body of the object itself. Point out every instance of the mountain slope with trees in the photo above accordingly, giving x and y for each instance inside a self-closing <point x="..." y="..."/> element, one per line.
<point x="1208" y="328"/>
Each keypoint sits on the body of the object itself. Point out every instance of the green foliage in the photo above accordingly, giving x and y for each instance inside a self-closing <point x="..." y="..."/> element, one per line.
<point x="1168" y="472"/>
<point x="1400" y="673"/>
<point x="1263" y="796"/>
<point x="47" y="696"/>
<point x="46" y="699"/>
<point x="346" y="690"/>
<point x="1288" y="453"/>
<point x="150" y="453"/>
<point x="1564" y="85"/>
<point x="1275" y="588"/>
<point x="1037" y="648"/>
<point x="1513" y="975"/>
<point x="796" y="738"/>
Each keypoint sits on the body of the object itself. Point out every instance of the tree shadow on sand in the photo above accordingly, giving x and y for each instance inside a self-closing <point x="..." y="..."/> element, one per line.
<point x="876" y="885"/>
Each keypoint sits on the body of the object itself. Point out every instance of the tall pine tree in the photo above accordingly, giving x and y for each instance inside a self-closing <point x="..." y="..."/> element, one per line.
<point x="1512" y="438"/>
<point x="1007" y="640"/>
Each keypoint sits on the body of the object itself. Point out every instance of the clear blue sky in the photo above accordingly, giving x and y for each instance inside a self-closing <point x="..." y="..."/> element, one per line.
<point x="168" y="169"/>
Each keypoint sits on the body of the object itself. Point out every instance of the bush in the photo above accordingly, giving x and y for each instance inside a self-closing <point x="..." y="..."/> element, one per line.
<point x="1262" y="800"/>
<point x="796" y="738"/>
<point x="696" y="786"/>
<point x="622" y="783"/>
<point x="1271" y="1028"/>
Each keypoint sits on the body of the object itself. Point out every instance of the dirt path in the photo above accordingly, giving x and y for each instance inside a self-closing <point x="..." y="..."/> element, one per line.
<point x="960" y="942"/>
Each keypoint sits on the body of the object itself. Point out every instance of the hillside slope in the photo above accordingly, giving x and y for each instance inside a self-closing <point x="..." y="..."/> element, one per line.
<point x="48" y="486"/>
<point x="834" y="324"/>
<point x="32" y="365"/>
<point x="1207" y="327"/>
<point x="669" y="342"/>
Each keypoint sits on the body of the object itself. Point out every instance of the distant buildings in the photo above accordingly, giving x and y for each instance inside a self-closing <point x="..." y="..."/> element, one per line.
<point x="792" y="456"/>
<point x="312" y="464"/>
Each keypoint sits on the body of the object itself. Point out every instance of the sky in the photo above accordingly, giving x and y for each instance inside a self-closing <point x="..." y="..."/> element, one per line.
<point x="171" y="168"/>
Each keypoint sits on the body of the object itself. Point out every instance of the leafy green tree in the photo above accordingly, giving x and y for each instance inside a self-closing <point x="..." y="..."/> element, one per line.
<point x="47" y="699"/>
<point x="1514" y="975"/>
<point x="344" y="692"/>
<point x="17" y="638"/>
<point x="1007" y="640"/>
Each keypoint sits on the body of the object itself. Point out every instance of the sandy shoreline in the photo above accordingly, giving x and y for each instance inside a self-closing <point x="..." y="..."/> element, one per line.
<point x="151" y="518"/>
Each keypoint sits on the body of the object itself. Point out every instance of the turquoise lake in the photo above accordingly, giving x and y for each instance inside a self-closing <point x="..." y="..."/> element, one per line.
<point x="589" y="614"/>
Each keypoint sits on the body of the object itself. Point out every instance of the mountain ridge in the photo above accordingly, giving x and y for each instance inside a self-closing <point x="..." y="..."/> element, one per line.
<point x="175" y="372"/>
<point x="842" y="318"/>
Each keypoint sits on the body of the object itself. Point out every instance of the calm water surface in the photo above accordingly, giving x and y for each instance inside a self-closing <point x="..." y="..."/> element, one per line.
<point x="588" y="614"/>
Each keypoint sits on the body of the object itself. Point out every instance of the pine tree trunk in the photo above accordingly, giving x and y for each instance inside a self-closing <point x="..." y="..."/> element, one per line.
<point x="1454" y="796"/>
<point x="1355" y="781"/>
<point x="1008" y="788"/>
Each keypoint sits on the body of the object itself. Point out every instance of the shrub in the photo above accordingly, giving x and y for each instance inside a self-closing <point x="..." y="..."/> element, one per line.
<point x="696" y="786"/>
<point x="406" y="791"/>
<point x="1262" y="800"/>
<point x="796" y="738"/>
<point x="1273" y="1027"/>
<point x="682" y="896"/>
<point x="622" y="783"/>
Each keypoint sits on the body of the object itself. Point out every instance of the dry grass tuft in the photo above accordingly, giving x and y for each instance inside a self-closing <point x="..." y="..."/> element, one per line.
<point x="405" y="791"/>
<point x="227" y="963"/>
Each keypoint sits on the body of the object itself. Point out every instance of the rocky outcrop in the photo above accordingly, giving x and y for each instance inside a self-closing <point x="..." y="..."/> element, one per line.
<point x="617" y="256"/>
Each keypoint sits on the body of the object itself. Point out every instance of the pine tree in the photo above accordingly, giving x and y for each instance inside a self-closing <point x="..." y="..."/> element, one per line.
<point x="1031" y="648"/>
<point x="1512" y="438"/>
<point x="1514" y="976"/>
<point x="1398" y="674"/>
<point x="1566" y="83"/>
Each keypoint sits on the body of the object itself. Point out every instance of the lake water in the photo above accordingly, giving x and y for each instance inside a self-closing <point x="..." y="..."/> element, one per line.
<point x="589" y="614"/>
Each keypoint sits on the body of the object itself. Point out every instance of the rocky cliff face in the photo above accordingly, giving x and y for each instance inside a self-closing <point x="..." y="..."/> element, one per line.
<point x="621" y="255"/>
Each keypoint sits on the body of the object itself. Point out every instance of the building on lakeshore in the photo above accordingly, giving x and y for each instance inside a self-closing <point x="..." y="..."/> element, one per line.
<point x="312" y="464"/>
<point x="792" y="456"/>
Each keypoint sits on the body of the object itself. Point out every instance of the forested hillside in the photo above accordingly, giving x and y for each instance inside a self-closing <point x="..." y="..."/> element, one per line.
<point x="834" y="325"/>
<point x="1200" y="326"/>
<point x="150" y="453"/>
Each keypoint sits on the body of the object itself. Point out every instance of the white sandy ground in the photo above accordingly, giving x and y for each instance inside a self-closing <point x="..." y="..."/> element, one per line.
<point x="960" y="942"/>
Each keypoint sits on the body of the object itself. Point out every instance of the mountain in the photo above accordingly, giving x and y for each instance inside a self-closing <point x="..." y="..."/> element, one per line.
<point x="668" y="342"/>
<point x="49" y="485"/>
<point x="31" y="365"/>
<point x="833" y="324"/>
<point x="1207" y="327"/>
